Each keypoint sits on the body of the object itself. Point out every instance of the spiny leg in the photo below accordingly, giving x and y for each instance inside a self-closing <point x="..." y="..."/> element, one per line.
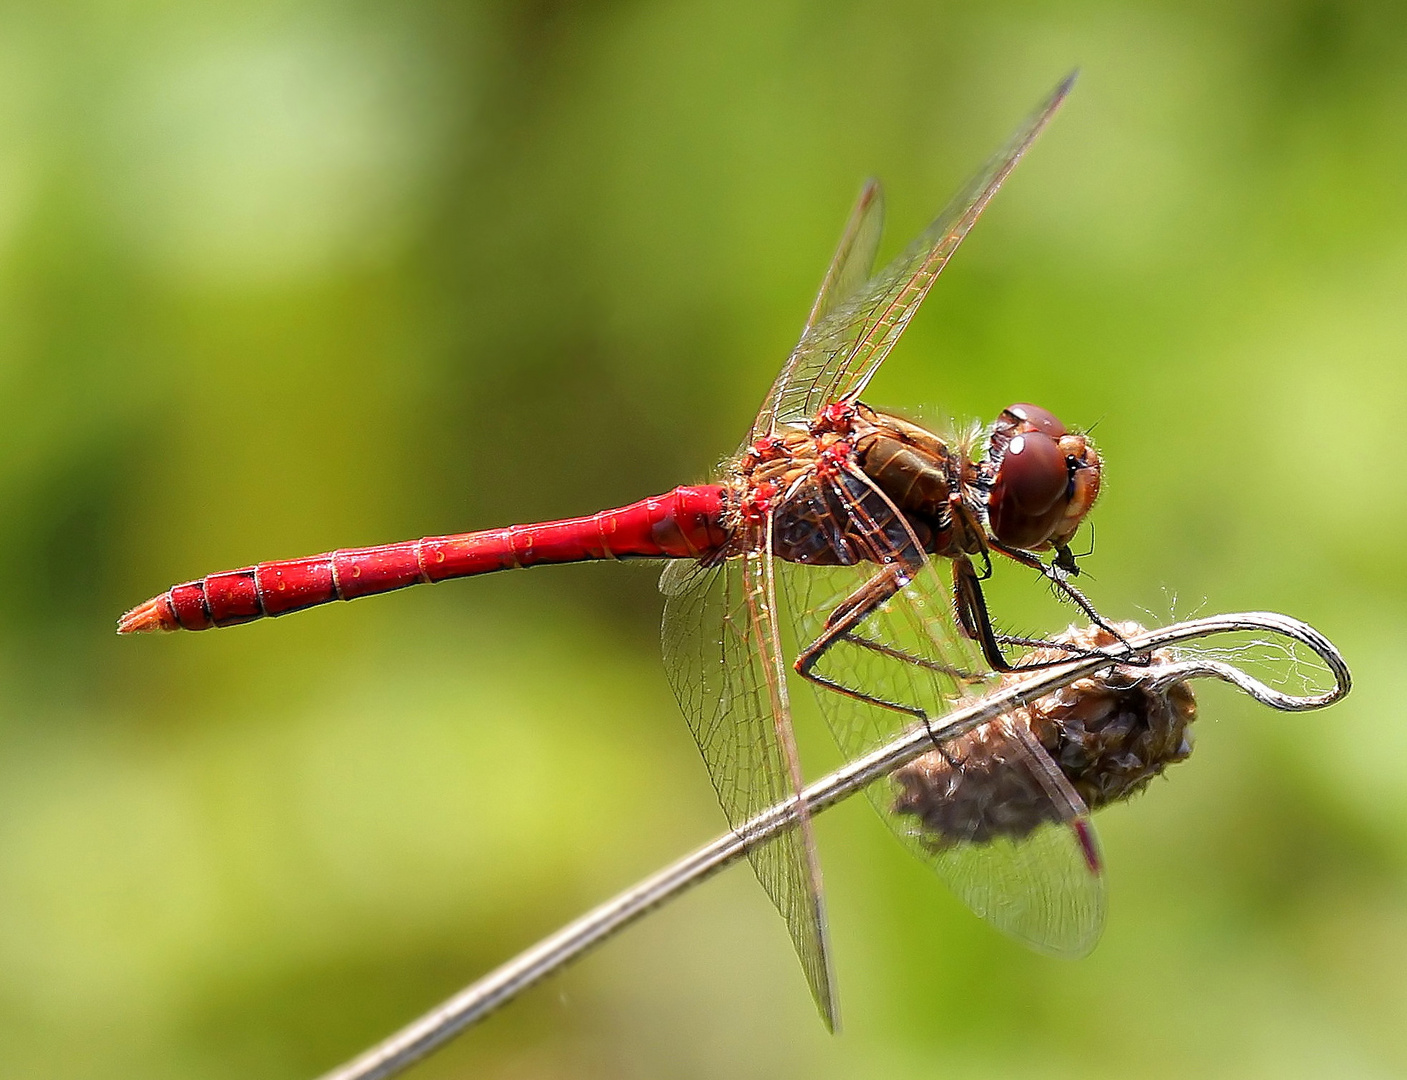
<point x="840" y="627"/>
<point x="851" y="612"/>
<point x="1058" y="574"/>
<point x="909" y="658"/>
<point x="975" y="621"/>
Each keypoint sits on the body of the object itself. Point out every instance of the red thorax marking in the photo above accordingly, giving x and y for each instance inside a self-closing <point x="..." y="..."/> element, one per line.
<point x="837" y="416"/>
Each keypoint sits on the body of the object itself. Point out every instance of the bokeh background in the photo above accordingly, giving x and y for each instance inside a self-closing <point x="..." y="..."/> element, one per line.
<point x="291" y="275"/>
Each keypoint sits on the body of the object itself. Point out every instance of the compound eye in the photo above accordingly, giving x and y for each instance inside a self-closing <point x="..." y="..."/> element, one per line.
<point x="1030" y="491"/>
<point x="1034" y="418"/>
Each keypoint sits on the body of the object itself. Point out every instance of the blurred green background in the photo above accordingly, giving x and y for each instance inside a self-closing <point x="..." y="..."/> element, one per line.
<point x="286" y="276"/>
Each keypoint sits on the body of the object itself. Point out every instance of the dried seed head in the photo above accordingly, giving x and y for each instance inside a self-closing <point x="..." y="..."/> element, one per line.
<point x="1109" y="733"/>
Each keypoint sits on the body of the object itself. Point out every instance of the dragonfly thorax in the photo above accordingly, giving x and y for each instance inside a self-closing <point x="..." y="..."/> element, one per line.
<point x="829" y="491"/>
<point x="935" y="484"/>
<point x="853" y="464"/>
<point x="1031" y="490"/>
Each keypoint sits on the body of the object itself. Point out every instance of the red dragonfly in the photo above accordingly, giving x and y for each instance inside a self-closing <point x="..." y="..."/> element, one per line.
<point x="841" y="508"/>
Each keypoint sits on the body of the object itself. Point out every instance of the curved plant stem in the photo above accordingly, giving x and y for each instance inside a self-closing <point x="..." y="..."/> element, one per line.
<point x="498" y="987"/>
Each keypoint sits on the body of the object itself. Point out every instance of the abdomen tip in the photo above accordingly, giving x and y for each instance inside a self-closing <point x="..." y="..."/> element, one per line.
<point x="152" y="617"/>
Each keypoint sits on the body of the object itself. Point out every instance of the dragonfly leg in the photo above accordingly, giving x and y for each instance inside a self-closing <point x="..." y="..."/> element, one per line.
<point x="1065" y="560"/>
<point x="841" y="627"/>
<point x="909" y="658"/>
<point x="1058" y="573"/>
<point x="854" y="610"/>
<point x="976" y="623"/>
<point x="974" y="620"/>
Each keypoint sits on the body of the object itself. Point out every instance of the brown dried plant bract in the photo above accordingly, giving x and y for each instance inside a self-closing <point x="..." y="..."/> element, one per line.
<point x="1110" y="734"/>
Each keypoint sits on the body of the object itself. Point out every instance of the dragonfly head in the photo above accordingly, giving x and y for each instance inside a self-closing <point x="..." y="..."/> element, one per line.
<point x="1045" y="479"/>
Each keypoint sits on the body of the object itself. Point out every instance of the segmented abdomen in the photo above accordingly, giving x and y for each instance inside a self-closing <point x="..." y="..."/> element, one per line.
<point x="685" y="523"/>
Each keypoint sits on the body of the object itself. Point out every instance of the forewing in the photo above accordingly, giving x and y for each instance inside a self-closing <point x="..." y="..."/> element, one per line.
<point x="853" y="261"/>
<point x="839" y="354"/>
<point x="1005" y="829"/>
<point x="850" y="268"/>
<point x="723" y="660"/>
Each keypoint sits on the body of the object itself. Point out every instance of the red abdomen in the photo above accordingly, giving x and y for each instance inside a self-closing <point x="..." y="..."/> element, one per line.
<point x="684" y="524"/>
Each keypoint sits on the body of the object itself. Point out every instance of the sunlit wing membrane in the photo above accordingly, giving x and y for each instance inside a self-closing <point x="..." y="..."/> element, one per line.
<point x="839" y="354"/>
<point x="1038" y="889"/>
<point x="723" y="661"/>
<point x="850" y="268"/>
<point x="1012" y="838"/>
<point x="1004" y="828"/>
<point x="853" y="262"/>
<point x="721" y="642"/>
<point x="908" y="652"/>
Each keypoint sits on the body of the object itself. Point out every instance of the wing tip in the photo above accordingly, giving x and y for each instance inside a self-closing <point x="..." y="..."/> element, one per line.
<point x="1053" y="102"/>
<point x="824" y="993"/>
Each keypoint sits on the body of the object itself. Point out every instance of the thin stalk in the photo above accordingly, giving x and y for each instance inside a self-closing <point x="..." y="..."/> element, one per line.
<point x="500" y="986"/>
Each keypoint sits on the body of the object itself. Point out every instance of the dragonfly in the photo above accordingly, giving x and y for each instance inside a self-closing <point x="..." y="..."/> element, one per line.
<point x="829" y="524"/>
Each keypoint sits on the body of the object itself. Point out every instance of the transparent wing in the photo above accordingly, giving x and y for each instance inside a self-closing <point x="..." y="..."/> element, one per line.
<point x="1035" y="889"/>
<point x="850" y="267"/>
<point x="840" y="352"/>
<point x="723" y="660"/>
<point x="906" y="652"/>
<point x="992" y="814"/>
<point x="990" y="811"/>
